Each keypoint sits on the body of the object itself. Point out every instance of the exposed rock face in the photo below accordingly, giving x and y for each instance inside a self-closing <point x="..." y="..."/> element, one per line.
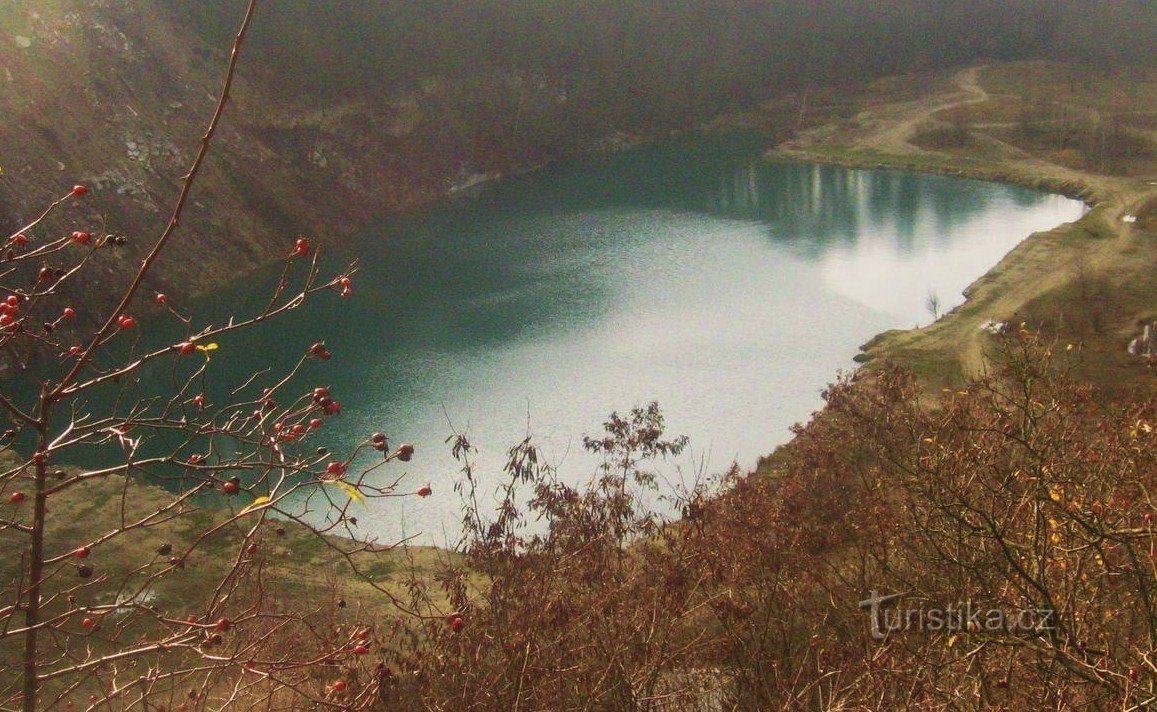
<point x="115" y="95"/>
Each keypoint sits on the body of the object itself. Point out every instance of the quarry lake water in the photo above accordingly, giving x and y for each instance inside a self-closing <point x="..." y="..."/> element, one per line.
<point x="694" y="273"/>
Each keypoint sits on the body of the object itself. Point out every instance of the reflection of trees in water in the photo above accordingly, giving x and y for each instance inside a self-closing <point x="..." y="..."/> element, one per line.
<point x="739" y="193"/>
<point x="814" y="207"/>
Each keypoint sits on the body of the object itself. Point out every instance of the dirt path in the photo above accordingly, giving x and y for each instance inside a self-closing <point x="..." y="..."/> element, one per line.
<point x="894" y="134"/>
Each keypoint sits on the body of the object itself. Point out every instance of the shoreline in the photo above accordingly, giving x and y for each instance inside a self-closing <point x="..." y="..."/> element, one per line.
<point x="952" y="347"/>
<point x="1037" y="276"/>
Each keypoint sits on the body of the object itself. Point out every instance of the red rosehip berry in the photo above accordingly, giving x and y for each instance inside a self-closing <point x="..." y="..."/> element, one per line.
<point x="68" y="313"/>
<point x="75" y="350"/>
<point x="199" y="400"/>
<point x="425" y="491"/>
<point x="6" y="319"/>
<point x="88" y="624"/>
<point x="186" y="347"/>
<point x="320" y="393"/>
<point x="361" y="649"/>
<point x="223" y="624"/>
<point x="315" y="423"/>
<point x="345" y="282"/>
<point x="230" y="487"/>
<point x="45" y="274"/>
<point x="162" y="299"/>
<point x="81" y="237"/>
<point x="79" y="191"/>
<point x="301" y="247"/>
<point x="16" y="497"/>
<point x="339" y="686"/>
<point x="20" y="239"/>
<point x="331" y="407"/>
<point x="195" y="458"/>
<point x="251" y="549"/>
<point x="82" y="552"/>
<point x="124" y="321"/>
<point x="335" y="468"/>
<point x="12" y="302"/>
<point x="404" y="452"/>
<point x="320" y="351"/>
<point x="456" y="622"/>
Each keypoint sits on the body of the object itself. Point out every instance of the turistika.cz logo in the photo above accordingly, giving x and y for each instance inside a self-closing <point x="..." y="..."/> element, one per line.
<point x="887" y="616"/>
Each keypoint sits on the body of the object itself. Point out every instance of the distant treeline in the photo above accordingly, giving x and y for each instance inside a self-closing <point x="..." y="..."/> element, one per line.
<point x="639" y="60"/>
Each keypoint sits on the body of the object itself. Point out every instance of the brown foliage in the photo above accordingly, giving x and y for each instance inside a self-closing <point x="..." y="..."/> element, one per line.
<point x="1022" y="492"/>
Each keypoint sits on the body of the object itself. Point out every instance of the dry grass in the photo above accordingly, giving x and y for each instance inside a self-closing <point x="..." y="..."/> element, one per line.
<point x="293" y="557"/>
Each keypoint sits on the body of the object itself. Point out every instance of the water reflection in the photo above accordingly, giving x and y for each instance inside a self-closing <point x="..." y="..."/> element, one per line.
<point x="814" y="206"/>
<point x="887" y="239"/>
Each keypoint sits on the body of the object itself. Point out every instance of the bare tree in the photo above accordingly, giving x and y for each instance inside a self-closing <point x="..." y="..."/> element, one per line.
<point x="87" y="622"/>
<point x="932" y="304"/>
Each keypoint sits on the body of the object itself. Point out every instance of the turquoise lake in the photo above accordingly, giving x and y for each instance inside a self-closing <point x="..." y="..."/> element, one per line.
<point x="728" y="288"/>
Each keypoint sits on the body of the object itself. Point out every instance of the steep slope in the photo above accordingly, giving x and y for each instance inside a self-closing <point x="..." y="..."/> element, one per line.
<point x="116" y="96"/>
